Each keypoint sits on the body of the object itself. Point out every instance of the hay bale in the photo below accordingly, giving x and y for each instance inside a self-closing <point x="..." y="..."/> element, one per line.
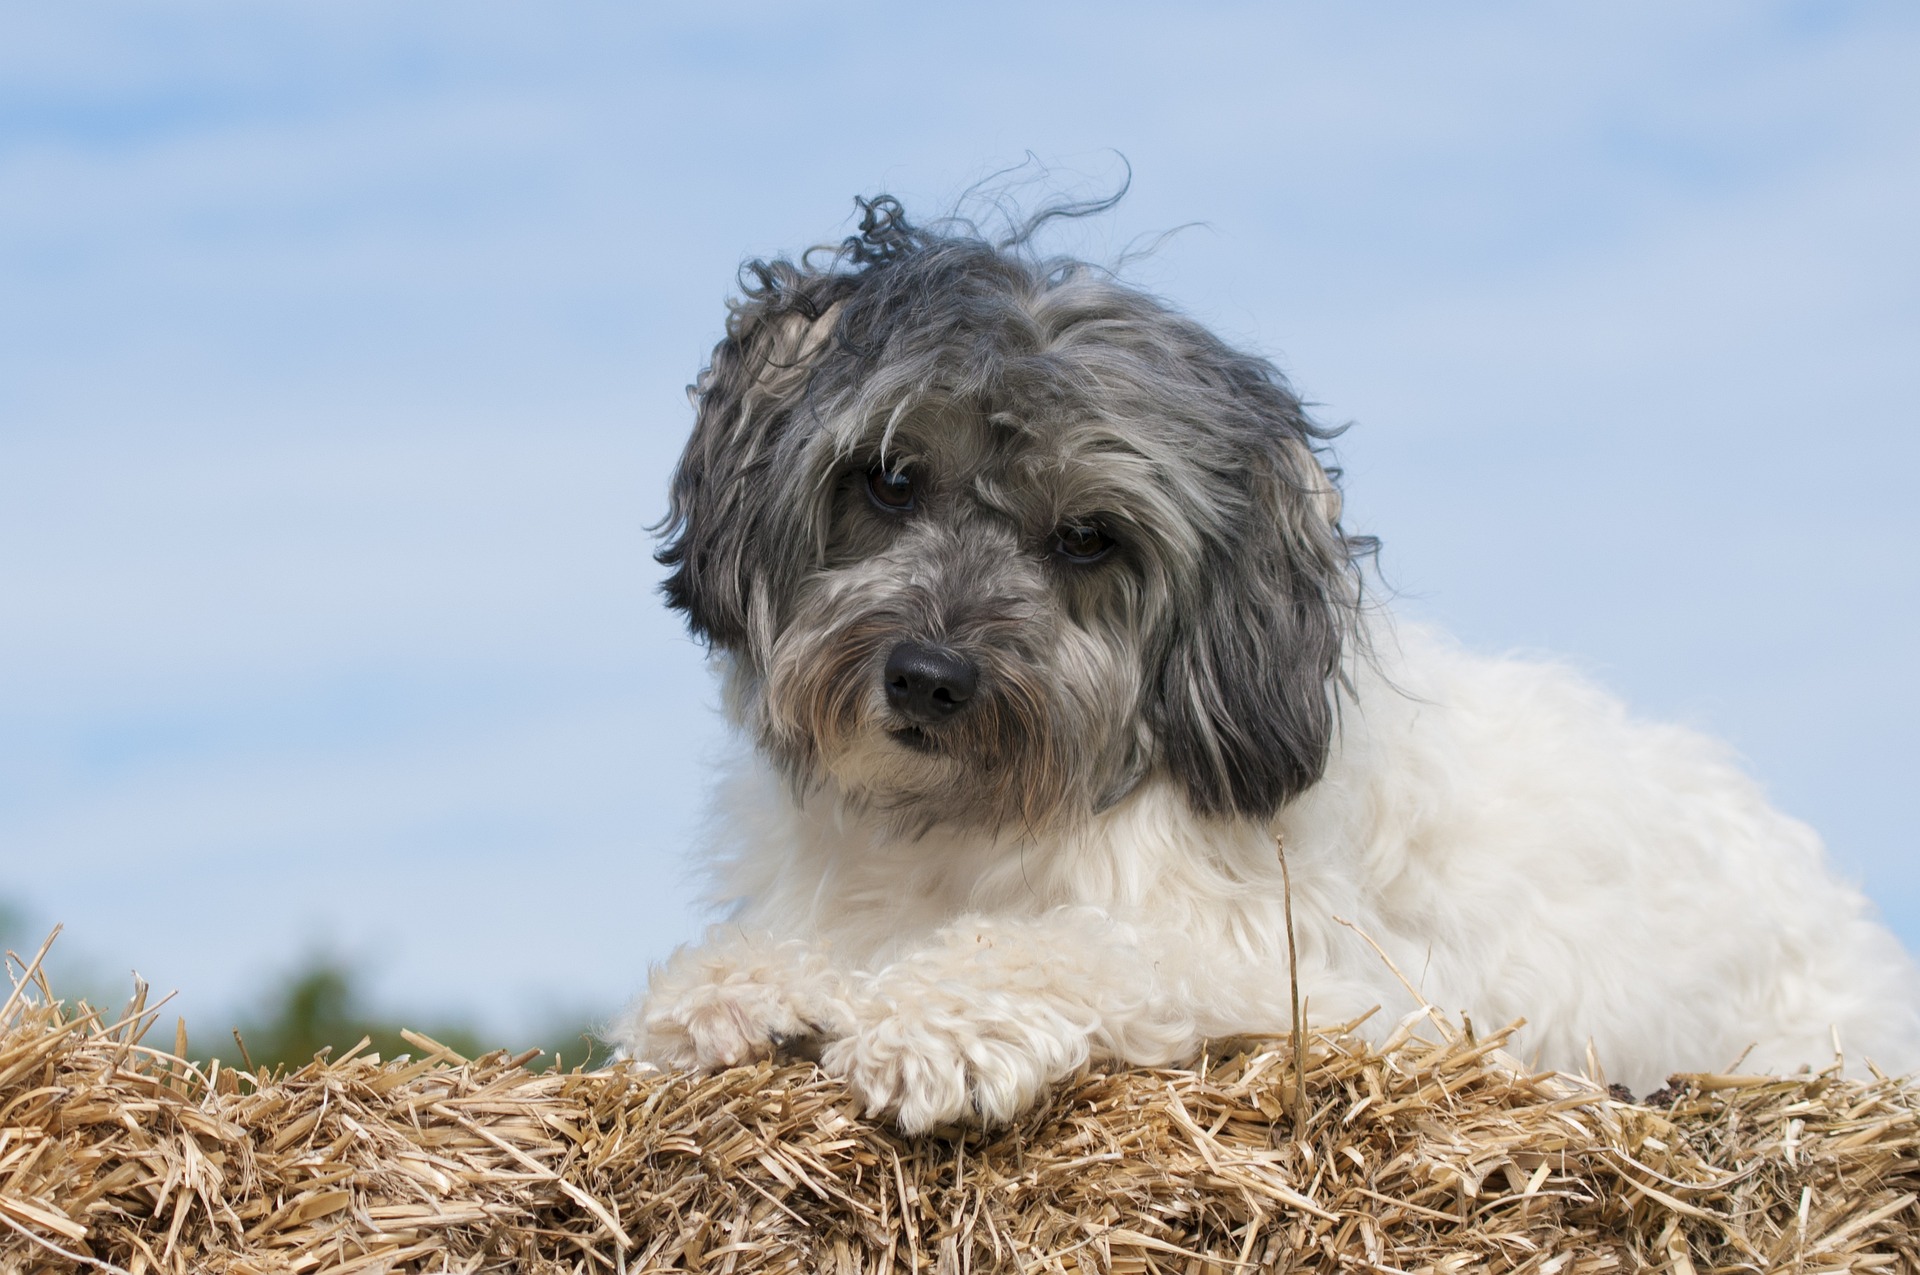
<point x="1436" y="1153"/>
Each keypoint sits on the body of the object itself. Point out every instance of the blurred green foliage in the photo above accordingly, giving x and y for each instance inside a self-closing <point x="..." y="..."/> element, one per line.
<point x="13" y="921"/>
<point x="320" y="1006"/>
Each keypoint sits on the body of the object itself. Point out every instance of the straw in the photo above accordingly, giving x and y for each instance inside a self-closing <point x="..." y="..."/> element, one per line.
<point x="1439" y="1154"/>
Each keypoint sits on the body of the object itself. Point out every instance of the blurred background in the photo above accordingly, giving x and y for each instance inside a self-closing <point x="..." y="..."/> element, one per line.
<point x="342" y="354"/>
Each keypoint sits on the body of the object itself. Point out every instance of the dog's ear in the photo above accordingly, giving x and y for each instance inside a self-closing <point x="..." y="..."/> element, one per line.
<point x="718" y="537"/>
<point x="1243" y="706"/>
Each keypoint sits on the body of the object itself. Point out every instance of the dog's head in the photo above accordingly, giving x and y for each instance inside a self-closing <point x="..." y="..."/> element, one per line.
<point x="987" y="539"/>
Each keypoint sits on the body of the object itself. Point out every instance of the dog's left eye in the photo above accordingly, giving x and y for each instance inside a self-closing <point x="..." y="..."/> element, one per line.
<point x="891" y="489"/>
<point x="1081" y="542"/>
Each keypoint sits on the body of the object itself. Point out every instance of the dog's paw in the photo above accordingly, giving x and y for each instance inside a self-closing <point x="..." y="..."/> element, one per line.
<point x="726" y="1005"/>
<point x="722" y="1025"/>
<point x="923" y="1071"/>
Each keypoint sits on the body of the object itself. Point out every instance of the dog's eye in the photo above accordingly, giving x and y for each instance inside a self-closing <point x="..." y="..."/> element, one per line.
<point x="1081" y="542"/>
<point x="891" y="489"/>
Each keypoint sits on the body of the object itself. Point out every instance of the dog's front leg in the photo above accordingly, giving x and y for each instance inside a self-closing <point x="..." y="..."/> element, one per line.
<point x="733" y="999"/>
<point x="976" y="1026"/>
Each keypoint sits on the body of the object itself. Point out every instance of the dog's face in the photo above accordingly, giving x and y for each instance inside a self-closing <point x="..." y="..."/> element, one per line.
<point x="989" y="540"/>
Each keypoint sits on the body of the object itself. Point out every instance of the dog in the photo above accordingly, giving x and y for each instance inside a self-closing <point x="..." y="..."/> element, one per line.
<point x="1036" y="618"/>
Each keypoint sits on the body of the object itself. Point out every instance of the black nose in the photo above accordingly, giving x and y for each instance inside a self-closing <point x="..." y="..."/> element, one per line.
<point x="928" y="685"/>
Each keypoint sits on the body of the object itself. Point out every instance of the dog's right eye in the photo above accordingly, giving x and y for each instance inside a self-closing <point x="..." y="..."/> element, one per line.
<point x="1081" y="543"/>
<point x="891" y="489"/>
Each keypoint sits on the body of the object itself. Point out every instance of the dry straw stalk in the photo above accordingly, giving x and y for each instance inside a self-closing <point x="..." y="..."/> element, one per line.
<point x="1436" y="1152"/>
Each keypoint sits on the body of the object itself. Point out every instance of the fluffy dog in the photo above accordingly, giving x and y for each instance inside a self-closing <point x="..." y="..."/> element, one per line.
<point x="1032" y="599"/>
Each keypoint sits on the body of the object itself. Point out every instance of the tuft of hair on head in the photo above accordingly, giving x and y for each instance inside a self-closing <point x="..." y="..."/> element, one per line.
<point x="885" y="233"/>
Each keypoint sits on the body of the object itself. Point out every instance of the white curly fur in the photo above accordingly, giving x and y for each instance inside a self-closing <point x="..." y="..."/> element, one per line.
<point x="1516" y="842"/>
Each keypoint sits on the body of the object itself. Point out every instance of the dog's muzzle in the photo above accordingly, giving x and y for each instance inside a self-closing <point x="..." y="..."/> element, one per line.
<point x="928" y="686"/>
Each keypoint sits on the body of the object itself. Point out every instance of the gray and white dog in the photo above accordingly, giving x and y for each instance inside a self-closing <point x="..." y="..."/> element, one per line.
<point x="1032" y="599"/>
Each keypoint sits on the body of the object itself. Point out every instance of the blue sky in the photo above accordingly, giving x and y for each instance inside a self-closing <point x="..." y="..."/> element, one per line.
<point x="342" y="354"/>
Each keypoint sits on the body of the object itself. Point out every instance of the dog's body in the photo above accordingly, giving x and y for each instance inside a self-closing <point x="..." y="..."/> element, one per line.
<point x="1033" y="601"/>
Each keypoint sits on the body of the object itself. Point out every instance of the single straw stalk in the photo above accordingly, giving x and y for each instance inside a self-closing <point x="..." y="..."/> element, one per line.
<point x="1299" y="1012"/>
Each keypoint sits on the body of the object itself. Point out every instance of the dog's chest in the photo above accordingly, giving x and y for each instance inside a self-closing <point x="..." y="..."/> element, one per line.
<point x="1147" y="861"/>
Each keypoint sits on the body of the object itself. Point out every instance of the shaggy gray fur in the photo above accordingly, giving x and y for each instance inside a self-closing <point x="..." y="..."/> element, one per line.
<point x="1013" y="396"/>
